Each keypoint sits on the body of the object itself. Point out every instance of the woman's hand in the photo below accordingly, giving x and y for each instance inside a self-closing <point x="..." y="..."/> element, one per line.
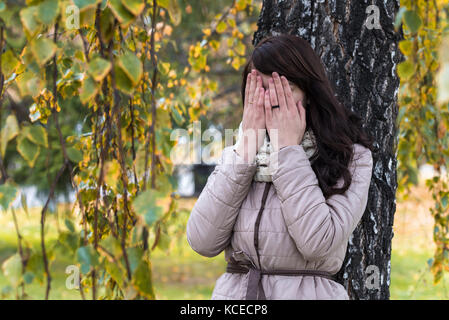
<point x="286" y="125"/>
<point x="253" y="122"/>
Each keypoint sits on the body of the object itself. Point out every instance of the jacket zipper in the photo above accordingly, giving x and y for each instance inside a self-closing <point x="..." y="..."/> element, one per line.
<point x="259" y="215"/>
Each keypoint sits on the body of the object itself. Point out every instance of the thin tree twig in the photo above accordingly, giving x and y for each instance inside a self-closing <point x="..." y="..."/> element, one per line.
<point x="151" y="132"/>
<point x="23" y="259"/>
<point x="43" y="215"/>
<point x="2" y="166"/>
<point x="116" y="116"/>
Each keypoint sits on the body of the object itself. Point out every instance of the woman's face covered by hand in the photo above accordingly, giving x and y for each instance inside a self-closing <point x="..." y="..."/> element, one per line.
<point x="298" y="94"/>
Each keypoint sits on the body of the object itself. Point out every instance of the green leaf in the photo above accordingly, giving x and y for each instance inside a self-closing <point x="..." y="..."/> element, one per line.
<point x="29" y="22"/>
<point x="47" y="11"/>
<point x="174" y="11"/>
<point x="8" y="194"/>
<point x="145" y="205"/>
<point x="444" y="201"/>
<point x="221" y="27"/>
<point x="88" y="90"/>
<point x="9" y="63"/>
<point x="164" y="241"/>
<point x="69" y="240"/>
<point x="23" y="201"/>
<point x="87" y="256"/>
<point x="107" y="24"/>
<point x="398" y="18"/>
<point x="134" y="6"/>
<point x="240" y="48"/>
<point x="6" y="290"/>
<point x="163" y="3"/>
<point x="99" y="68"/>
<point x="112" y="173"/>
<point x="36" y="265"/>
<point x="69" y="224"/>
<point x="86" y="4"/>
<point x="43" y="50"/>
<point x="120" y="12"/>
<point x="9" y="132"/>
<point x="135" y="255"/>
<point x="405" y="70"/>
<point x="406" y="47"/>
<point x="179" y="119"/>
<point x="29" y="84"/>
<point x="38" y="135"/>
<point x="28" y="277"/>
<point x="113" y="245"/>
<point x="131" y="66"/>
<point x="437" y="276"/>
<point x="412" y="20"/>
<point x="28" y="150"/>
<point x="103" y="4"/>
<point x="87" y="17"/>
<point x="74" y="154"/>
<point x="12" y="269"/>
<point x="122" y="81"/>
<point x="163" y="183"/>
<point x="142" y="280"/>
<point x="115" y="270"/>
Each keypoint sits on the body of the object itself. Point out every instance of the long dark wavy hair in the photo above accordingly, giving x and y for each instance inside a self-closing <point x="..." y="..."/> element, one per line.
<point x="335" y="127"/>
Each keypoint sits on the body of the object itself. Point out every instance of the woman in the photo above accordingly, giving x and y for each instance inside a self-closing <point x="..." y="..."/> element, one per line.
<point x="283" y="207"/>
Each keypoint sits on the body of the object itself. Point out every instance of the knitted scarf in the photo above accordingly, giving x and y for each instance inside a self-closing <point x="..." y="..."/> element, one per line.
<point x="263" y="173"/>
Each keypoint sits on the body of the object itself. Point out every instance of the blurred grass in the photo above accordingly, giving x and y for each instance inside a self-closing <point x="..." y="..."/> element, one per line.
<point x="412" y="247"/>
<point x="180" y="273"/>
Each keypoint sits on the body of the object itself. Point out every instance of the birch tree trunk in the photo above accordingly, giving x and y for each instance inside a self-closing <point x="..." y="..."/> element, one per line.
<point x="360" y="54"/>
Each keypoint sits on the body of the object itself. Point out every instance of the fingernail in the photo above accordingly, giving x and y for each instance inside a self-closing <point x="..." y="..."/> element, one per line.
<point x="275" y="74"/>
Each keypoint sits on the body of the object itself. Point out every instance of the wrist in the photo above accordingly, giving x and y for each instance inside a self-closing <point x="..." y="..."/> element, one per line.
<point x="288" y="143"/>
<point x="284" y="145"/>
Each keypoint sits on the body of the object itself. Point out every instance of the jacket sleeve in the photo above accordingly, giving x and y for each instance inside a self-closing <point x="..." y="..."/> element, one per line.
<point x="319" y="226"/>
<point x="212" y="218"/>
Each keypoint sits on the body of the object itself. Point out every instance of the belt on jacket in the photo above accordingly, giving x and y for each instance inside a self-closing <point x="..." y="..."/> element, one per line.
<point x="255" y="289"/>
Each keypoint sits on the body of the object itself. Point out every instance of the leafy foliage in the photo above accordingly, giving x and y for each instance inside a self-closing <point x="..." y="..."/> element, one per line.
<point x="423" y="118"/>
<point x="108" y="60"/>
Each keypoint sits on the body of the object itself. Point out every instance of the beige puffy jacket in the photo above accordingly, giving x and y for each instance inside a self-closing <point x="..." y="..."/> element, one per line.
<point x="299" y="228"/>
